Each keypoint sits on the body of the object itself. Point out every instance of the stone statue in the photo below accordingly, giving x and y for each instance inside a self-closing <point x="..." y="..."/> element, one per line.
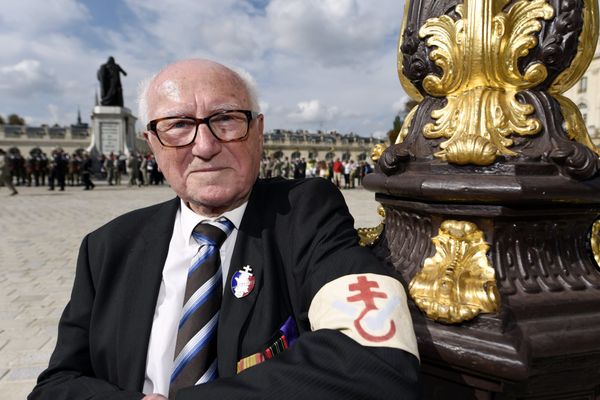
<point x="110" y="83"/>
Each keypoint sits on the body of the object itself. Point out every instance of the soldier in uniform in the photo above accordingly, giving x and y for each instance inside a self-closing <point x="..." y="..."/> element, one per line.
<point x="5" y="177"/>
<point x="58" y="169"/>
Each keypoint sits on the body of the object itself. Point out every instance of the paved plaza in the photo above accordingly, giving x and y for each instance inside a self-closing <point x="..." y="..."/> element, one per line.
<point x="40" y="236"/>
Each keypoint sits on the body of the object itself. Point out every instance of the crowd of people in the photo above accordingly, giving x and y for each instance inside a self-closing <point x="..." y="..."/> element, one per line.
<point x="141" y="170"/>
<point x="62" y="169"/>
<point x="346" y="174"/>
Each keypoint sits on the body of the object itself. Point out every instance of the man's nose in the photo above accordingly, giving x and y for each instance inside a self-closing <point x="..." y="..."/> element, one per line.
<point x="206" y="145"/>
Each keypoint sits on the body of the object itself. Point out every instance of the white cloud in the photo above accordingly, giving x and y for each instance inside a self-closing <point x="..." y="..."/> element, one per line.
<point x="379" y="134"/>
<point x="42" y="16"/>
<point x="264" y="106"/>
<point x="314" y="112"/>
<point x="332" y="32"/>
<point x="400" y="104"/>
<point x="53" y="110"/>
<point x="219" y="29"/>
<point x="341" y="52"/>
<point x="27" y="77"/>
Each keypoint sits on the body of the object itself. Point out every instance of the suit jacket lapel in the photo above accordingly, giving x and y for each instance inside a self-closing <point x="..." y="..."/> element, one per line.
<point x="234" y="312"/>
<point x="146" y="262"/>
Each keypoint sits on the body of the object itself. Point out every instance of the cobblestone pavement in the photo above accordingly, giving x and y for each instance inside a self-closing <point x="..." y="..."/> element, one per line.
<point x="40" y="236"/>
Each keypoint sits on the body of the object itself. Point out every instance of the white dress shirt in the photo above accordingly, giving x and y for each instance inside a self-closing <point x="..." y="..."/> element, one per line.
<point x="182" y="248"/>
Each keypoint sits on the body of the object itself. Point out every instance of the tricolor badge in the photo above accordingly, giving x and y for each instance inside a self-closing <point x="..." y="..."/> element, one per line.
<point x="242" y="282"/>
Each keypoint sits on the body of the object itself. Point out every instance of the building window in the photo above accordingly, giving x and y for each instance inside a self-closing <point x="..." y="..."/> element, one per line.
<point x="595" y="133"/>
<point x="584" y="111"/>
<point x="583" y="85"/>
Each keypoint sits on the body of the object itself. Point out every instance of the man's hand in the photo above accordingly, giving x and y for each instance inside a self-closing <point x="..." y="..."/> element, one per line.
<point x="154" y="396"/>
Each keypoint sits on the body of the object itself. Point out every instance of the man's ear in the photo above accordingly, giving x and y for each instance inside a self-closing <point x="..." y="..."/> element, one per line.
<point x="260" y="120"/>
<point x="259" y="128"/>
<point x="147" y="138"/>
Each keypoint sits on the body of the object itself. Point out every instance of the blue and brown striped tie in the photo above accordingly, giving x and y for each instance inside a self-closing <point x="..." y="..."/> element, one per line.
<point x="196" y="347"/>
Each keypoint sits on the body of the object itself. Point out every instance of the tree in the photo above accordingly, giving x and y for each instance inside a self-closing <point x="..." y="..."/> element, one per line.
<point x="392" y="134"/>
<point x="399" y="121"/>
<point x="14" y="119"/>
<point x="1" y="120"/>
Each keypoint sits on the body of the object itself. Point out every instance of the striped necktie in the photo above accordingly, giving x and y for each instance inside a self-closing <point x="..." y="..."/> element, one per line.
<point x="196" y="347"/>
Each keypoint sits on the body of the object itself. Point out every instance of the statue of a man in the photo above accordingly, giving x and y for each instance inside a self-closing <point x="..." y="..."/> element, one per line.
<point x="110" y="83"/>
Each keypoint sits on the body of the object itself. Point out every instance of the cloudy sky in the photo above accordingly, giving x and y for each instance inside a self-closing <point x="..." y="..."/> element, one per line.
<point x="319" y="64"/>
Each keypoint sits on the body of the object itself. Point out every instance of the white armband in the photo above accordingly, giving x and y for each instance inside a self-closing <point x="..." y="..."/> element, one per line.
<point x="369" y="308"/>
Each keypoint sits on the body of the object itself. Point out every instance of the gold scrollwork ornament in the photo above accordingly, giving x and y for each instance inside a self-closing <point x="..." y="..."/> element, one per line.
<point x="377" y="151"/>
<point x="406" y="125"/>
<point x="368" y="236"/>
<point x="478" y="55"/>
<point x="457" y="283"/>
<point x="574" y="123"/>
<point x="595" y="241"/>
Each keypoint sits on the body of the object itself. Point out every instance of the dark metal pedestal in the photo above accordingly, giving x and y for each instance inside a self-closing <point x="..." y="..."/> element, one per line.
<point x="492" y="196"/>
<point x="545" y="341"/>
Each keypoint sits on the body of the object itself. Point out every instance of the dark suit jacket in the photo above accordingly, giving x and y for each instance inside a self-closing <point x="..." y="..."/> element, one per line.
<point x="297" y="236"/>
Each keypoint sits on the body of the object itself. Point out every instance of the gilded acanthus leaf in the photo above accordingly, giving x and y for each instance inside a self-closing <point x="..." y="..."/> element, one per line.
<point x="444" y="35"/>
<point x="406" y="125"/>
<point x="575" y="125"/>
<point x="478" y="124"/>
<point x="457" y="283"/>
<point x="595" y="242"/>
<point x="522" y="25"/>
<point x="369" y="236"/>
<point x="481" y="77"/>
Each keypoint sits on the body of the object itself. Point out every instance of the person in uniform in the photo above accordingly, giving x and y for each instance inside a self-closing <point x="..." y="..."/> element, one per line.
<point x="87" y="169"/>
<point x="5" y="176"/>
<point x="297" y="308"/>
<point x="58" y="170"/>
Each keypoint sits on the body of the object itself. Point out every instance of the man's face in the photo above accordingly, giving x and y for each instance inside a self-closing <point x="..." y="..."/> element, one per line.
<point x="212" y="176"/>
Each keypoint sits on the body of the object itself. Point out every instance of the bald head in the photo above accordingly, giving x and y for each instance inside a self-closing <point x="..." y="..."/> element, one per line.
<point x="163" y="83"/>
<point x="210" y="174"/>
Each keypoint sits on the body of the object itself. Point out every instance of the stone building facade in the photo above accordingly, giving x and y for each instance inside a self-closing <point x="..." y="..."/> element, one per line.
<point x="278" y="143"/>
<point x="47" y="138"/>
<point x="317" y="146"/>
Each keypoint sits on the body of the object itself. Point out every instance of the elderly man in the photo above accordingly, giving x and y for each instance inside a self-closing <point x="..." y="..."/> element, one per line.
<point x="296" y="309"/>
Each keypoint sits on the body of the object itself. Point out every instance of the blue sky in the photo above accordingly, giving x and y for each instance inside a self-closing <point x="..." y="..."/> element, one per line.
<point x="318" y="64"/>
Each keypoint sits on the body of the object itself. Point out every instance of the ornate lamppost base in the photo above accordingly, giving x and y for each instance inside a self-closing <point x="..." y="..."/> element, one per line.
<point x="544" y="341"/>
<point x="492" y="195"/>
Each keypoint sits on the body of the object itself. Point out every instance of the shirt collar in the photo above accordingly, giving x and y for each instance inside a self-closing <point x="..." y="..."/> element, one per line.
<point x="189" y="218"/>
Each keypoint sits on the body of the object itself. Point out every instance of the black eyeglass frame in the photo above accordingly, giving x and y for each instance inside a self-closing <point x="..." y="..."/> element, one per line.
<point x="250" y="116"/>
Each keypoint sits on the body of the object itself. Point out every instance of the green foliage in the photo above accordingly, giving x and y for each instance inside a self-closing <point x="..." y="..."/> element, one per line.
<point x="393" y="133"/>
<point x="1" y="120"/>
<point x="14" y="119"/>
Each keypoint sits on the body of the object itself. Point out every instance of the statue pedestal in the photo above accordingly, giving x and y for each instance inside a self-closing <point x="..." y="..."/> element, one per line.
<point x="113" y="130"/>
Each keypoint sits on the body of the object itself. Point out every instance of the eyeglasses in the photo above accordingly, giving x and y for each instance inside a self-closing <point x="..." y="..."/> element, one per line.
<point x="226" y="126"/>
